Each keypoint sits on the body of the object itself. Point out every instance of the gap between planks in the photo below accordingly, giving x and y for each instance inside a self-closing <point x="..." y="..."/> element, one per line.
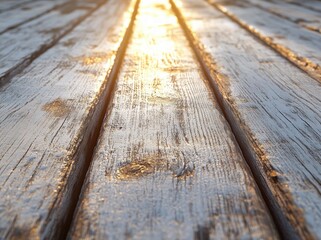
<point x="16" y="66"/>
<point x="283" y="226"/>
<point x="32" y="16"/>
<point x="91" y="136"/>
<point x="14" y="4"/>
<point x="304" y="18"/>
<point x="310" y="66"/>
<point x="311" y="5"/>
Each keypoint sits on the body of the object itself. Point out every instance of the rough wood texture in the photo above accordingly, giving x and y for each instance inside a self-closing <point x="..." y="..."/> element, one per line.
<point x="22" y="45"/>
<point x="167" y="165"/>
<point x="274" y="110"/>
<point x="25" y="13"/>
<point x="9" y="4"/>
<point x="309" y="4"/>
<point x="47" y="116"/>
<point x="297" y="14"/>
<point x="297" y="44"/>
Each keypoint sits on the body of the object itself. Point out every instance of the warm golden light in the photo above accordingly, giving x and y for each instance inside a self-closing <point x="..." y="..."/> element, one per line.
<point x="155" y="43"/>
<point x="154" y="21"/>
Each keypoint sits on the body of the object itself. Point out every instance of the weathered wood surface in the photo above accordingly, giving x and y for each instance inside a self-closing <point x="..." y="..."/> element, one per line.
<point x="9" y="4"/>
<point x="304" y="17"/>
<point x="274" y="110"/>
<point x="48" y="116"/>
<point x="309" y="4"/>
<point x="25" y="13"/>
<point x="20" y="46"/>
<point x="167" y="165"/>
<point x="297" y="44"/>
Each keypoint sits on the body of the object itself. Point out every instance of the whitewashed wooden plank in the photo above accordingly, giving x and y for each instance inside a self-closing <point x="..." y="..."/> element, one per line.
<point x="22" y="45"/>
<point x="167" y="165"/>
<point x="274" y="110"/>
<point x="300" y="46"/>
<point x="304" y="17"/>
<point x="25" y="13"/>
<point x="309" y="4"/>
<point x="9" y="4"/>
<point x="48" y="118"/>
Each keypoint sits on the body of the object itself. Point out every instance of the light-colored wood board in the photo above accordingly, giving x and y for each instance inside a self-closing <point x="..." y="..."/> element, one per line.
<point x="167" y="165"/>
<point x="25" y="13"/>
<point x="298" y="45"/>
<point x="309" y="4"/>
<point x="46" y="115"/>
<point x="22" y="45"/>
<point x="274" y="110"/>
<point x="302" y="16"/>
<point x="9" y="4"/>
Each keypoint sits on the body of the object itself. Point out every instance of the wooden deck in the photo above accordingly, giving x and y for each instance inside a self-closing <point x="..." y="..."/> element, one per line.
<point x="160" y="119"/>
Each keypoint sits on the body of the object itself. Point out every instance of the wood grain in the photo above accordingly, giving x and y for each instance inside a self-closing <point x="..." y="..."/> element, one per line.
<point x="300" y="15"/>
<point x="25" y="13"/>
<point x="309" y="4"/>
<point x="48" y="115"/>
<point x="274" y="110"/>
<point x="167" y="165"/>
<point x="297" y="44"/>
<point x="6" y="5"/>
<point x="19" y="47"/>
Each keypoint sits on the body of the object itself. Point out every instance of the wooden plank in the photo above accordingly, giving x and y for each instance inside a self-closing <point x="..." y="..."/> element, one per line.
<point x="273" y="108"/>
<point x="304" y="17"/>
<point x="9" y="4"/>
<point x="309" y="4"/>
<point x="21" y="46"/>
<point x="167" y="165"/>
<point x="26" y="13"/>
<point x="300" y="46"/>
<point x="48" y="119"/>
